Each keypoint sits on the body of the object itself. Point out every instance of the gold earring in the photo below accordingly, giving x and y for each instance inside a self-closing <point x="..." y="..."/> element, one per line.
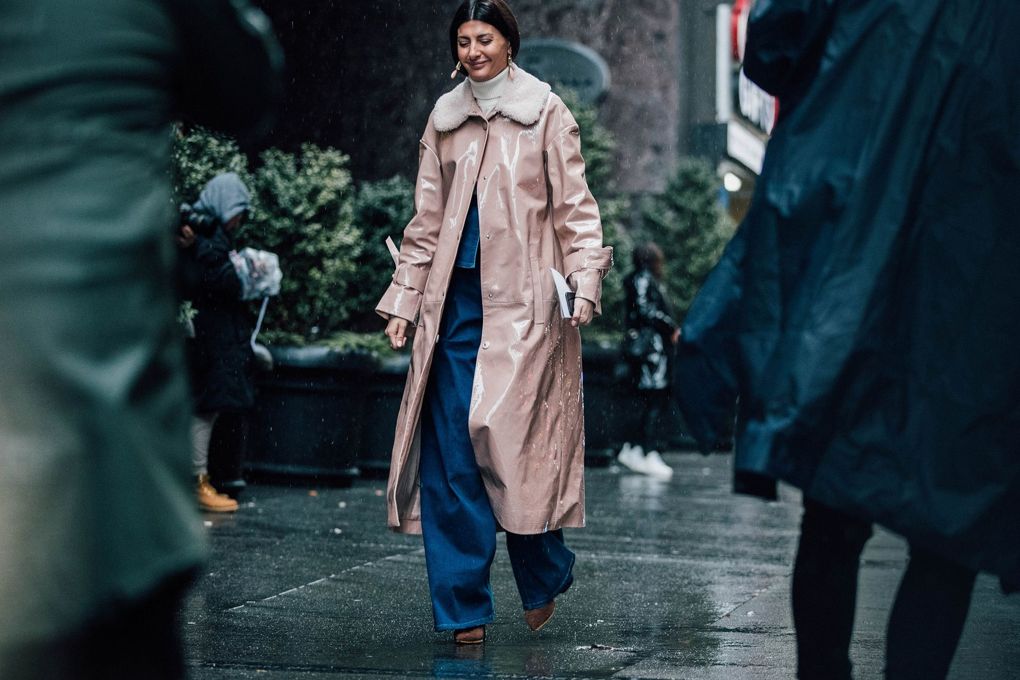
<point x="456" y="71"/>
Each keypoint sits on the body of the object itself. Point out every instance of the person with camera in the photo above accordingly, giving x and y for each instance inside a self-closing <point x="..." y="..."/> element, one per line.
<point x="220" y="357"/>
<point x="648" y="346"/>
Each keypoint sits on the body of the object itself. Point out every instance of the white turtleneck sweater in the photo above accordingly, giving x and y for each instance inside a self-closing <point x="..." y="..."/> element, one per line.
<point x="487" y="93"/>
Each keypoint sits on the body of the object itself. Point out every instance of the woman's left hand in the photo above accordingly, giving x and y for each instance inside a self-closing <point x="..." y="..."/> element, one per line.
<point x="584" y="310"/>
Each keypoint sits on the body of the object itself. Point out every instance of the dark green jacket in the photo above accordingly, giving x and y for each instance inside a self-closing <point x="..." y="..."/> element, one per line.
<point x="96" y="507"/>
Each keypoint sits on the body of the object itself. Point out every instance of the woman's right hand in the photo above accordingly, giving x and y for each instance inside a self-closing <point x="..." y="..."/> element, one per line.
<point x="396" y="331"/>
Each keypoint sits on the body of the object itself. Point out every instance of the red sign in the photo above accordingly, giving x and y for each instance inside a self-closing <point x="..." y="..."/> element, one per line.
<point x="738" y="26"/>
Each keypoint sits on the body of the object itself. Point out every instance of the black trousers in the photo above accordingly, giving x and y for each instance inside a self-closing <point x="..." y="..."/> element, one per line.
<point x="140" y="640"/>
<point x="653" y="405"/>
<point x="927" y="617"/>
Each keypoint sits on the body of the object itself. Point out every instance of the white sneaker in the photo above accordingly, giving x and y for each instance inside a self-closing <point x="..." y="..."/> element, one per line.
<point x="654" y="466"/>
<point x="632" y="458"/>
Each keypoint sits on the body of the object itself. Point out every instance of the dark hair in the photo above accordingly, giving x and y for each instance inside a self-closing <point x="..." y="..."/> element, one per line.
<point x="649" y="256"/>
<point x="494" y="12"/>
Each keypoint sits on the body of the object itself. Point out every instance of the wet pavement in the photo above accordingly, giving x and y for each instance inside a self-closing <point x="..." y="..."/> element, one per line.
<point x="677" y="579"/>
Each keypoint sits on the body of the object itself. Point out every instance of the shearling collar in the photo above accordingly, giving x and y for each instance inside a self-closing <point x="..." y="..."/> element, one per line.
<point x="523" y="100"/>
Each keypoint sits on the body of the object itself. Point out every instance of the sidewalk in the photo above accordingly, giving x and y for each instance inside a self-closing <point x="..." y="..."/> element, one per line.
<point x="674" y="580"/>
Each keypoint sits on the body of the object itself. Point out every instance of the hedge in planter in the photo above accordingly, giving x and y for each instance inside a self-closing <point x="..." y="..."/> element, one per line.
<point x="308" y="415"/>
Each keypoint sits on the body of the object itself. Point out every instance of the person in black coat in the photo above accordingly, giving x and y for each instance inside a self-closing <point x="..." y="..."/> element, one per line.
<point x="651" y="336"/>
<point x="220" y="358"/>
<point x="865" y="313"/>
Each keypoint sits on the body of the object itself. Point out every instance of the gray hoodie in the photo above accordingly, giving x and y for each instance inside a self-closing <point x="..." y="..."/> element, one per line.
<point x="225" y="196"/>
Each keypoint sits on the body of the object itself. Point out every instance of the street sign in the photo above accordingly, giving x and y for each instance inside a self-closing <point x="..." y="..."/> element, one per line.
<point x="567" y="65"/>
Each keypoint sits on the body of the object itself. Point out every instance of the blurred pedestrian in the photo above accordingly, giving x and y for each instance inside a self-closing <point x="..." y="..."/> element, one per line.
<point x="98" y="532"/>
<point x="220" y="357"/>
<point x="491" y="422"/>
<point x="866" y="311"/>
<point x="649" y="342"/>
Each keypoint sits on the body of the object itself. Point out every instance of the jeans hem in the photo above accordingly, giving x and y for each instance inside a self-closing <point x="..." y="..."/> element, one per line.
<point x="442" y="627"/>
<point x="563" y="587"/>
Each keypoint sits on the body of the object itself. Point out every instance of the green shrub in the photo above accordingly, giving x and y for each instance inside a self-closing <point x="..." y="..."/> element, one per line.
<point x="372" y="343"/>
<point x="691" y="227"/>
<point x="302" y="210"/>
<point x="304" y="213"/>
<point x="381" y="209"/>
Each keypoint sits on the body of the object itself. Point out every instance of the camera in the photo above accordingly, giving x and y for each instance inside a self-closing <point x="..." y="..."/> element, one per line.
<point x="201" y="223"/>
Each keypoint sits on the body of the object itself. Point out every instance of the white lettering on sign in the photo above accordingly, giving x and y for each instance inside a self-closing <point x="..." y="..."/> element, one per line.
<point x="756" y="105"/>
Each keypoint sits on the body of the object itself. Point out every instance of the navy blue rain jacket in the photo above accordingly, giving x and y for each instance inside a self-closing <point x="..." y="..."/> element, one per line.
<point x="867" y="313"/>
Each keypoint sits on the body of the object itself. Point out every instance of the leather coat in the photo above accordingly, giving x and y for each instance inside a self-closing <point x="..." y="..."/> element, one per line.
<point x="536" y="212"/>
<point x="649" y="317"/>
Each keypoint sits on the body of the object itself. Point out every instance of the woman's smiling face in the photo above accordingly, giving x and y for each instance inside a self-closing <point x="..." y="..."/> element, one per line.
<point x="482" y="49"/>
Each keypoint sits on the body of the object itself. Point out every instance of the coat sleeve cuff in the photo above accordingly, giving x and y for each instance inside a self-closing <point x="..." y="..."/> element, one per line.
<point x="411" y="276"/>
<point x="585" y="270"/>
<point x="400" y="301"/>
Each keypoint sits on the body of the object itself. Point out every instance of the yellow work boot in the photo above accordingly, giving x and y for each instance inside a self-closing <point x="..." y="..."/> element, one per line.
<point x="210" y="500"/>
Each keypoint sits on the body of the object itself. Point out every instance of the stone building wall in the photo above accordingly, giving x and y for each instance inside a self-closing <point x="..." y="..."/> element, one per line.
<point x="640" y="40"/>
<point x="365" y="74"/>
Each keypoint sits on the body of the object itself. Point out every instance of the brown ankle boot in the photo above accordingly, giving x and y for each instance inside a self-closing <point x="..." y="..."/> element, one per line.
<point x="469" y="636"/>
<point x="536" y="618"/>
<point x="210" y="500"/>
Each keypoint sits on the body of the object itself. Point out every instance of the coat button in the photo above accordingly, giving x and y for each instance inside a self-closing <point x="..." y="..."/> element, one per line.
<point x="488" y="236"/>
<point x="490" y="296"/>
<point x="485" y="345"/>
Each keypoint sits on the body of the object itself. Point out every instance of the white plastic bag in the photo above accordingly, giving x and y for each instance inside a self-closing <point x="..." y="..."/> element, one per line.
<point x="259" y="271"/>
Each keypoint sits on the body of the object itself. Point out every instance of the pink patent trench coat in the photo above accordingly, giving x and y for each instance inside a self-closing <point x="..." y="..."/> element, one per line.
<point x="526" y="419"/>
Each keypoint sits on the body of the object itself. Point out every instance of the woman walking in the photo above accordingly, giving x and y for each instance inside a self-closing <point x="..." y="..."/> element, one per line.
<point x="490" y="430"/>
<point x="651" y="336"/>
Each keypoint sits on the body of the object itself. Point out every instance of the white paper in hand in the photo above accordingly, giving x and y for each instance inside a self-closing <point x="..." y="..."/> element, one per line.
<point x="563" y="294"/>
<point x="394" y="253"/>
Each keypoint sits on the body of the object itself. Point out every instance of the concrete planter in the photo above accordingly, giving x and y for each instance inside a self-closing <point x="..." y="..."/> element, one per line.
<point x="384" y="394"/>
<point x="308" y="418"/>
<point x="329" y="416"/>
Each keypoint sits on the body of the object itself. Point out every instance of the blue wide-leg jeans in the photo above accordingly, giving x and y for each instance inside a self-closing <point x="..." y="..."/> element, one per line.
<point x="458" y="526"/>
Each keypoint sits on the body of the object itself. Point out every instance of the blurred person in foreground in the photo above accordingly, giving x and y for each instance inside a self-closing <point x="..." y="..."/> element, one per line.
<point x="98" y="530"/>
<point x="648" y="346"/>
<point x="866" y="312"/>
<point x="220" y="357"/>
